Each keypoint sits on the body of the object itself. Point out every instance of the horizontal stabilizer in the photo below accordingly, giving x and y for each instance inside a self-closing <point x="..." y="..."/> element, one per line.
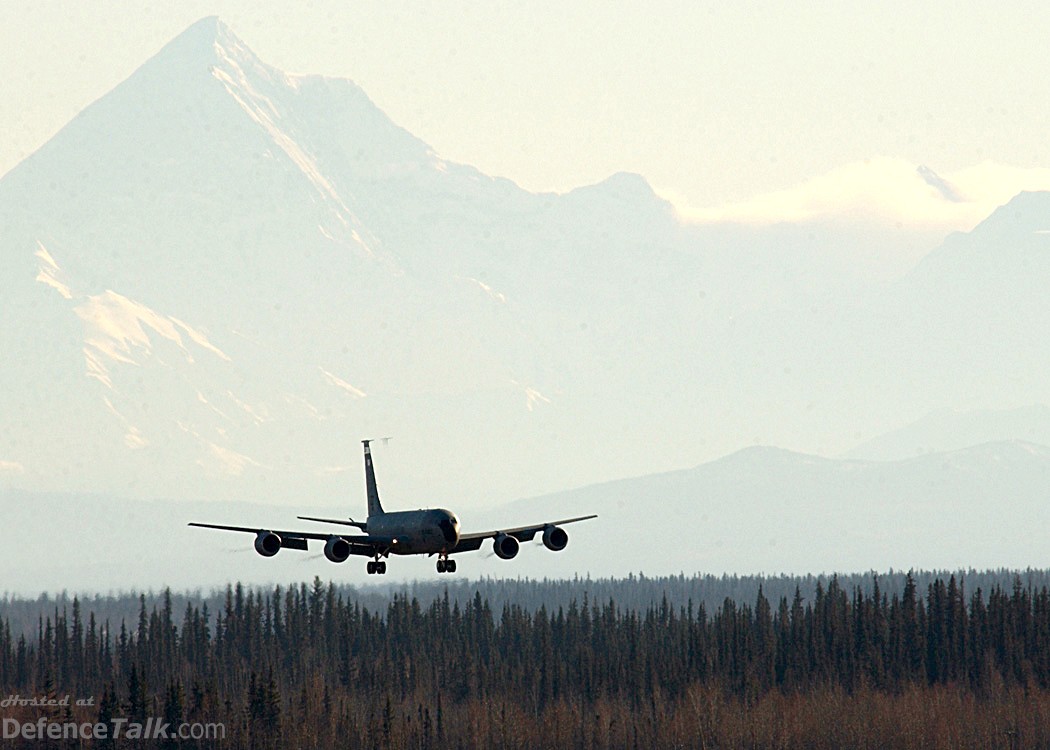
<point x="357" y="524"/>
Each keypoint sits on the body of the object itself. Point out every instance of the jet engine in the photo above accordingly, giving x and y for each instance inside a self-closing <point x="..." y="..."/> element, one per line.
<point x="267" y="543"/>
<point x="337" y="549"/>
<point x="505" y="546"/>
<point x="555" y="538"/>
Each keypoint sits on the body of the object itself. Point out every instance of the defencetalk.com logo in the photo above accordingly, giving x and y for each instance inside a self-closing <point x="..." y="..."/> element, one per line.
<point x="152" y="728"/>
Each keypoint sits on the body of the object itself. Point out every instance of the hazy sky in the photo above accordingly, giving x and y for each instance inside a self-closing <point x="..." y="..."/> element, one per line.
<point x="712" y="103"/>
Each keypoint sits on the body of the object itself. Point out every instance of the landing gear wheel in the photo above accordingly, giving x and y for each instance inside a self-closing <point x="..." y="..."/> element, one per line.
<point x="450" y="566"/>
<point x="381" y="568"/>
<point x="371" y="567"/>
<point x="441" y="566"/>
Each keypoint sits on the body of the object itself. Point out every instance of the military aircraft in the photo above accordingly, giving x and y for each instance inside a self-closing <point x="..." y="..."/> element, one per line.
<point x="408" y="532"/>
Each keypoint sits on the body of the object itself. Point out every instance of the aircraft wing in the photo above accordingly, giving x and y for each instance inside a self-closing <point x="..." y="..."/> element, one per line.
<point x="472" y="541"/>
<point x="363" y="544"/>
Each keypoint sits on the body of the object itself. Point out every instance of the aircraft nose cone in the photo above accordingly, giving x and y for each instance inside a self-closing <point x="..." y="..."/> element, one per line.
<point x="448" y="530"/>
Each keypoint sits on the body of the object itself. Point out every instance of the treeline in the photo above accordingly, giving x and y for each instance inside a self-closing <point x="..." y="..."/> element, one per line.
<point x="635" y="592"/>
<point x="306" y="667"/>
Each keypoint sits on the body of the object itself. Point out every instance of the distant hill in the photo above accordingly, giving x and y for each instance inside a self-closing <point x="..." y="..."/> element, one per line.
<point x="948" y="429"/>
<point x="772" y="511"/>
<point x="761" y="510"/>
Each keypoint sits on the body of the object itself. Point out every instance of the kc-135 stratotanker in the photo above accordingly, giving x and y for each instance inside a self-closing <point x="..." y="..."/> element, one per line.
<point x="408" y="532"/>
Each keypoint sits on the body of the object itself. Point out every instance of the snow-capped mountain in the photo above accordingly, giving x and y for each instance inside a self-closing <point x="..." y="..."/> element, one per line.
<point x="218" y="277"/>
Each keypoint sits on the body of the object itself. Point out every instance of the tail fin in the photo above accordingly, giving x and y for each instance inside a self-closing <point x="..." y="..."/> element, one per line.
<point x="374" y="506"/>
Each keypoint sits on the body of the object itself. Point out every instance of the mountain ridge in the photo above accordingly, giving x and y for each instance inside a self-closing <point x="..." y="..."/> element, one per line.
<point x="762" y="510"/>
<point x="219" y="284"/>
<point x="952" y="429"/>
<point x="229" y="199"/>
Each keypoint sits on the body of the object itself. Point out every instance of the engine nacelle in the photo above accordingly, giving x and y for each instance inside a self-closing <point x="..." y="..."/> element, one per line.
<point x="337" y="549"/>
<point x="505" y="546"/>
<point x="555" y="538"/>
<point x="267" y="543"/>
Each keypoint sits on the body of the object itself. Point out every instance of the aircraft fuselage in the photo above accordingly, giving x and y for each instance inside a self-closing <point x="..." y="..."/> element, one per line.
<point x="417" y="531"/>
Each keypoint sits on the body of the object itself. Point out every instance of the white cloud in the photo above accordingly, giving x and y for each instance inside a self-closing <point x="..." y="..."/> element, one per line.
<point x="881" y="190"/>
<point x="11" y="467"/>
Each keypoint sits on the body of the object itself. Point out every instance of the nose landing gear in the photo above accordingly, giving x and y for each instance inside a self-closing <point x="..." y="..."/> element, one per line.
<point x="444" y="565"/>
<point x="376" y="567"/>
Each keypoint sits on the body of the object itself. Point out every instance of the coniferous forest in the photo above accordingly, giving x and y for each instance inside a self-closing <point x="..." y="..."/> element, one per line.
<point x="890" y="663"/>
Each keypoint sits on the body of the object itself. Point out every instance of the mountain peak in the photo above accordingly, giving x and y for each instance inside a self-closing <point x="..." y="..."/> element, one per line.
<point x="938" y="183"/>
<point x="208" y="27"/>
<point x="623" y="188"/>
<point x="948" y="430"/>
<point x="204" y="34"/>
<point x="628" y="185"/>
<point x="1022" y="216"/>
<point x="1028" y="209"/>
<point x="203" y="44"/>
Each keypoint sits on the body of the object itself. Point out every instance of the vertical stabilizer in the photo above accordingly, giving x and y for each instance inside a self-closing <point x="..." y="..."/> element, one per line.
<point x="374" y="507"/>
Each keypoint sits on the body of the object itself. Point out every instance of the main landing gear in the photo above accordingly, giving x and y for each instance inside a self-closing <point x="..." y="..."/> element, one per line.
<point x="444" y="565"/>
<point x="376" y="567"/>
